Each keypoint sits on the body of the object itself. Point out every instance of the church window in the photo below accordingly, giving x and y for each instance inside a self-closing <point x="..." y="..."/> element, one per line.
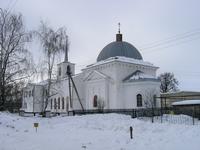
<point x="63" y="103"/>
<point x="59" y="103"/>
<point x="59" y="71"/>
<point x="139" y="100"/>
<point x="51" y="103"/>
<point x="95" y="101"/>
<point x="55" y="104"/>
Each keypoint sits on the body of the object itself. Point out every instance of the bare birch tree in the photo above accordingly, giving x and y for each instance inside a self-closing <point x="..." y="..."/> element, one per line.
<point x="53" y="43"/>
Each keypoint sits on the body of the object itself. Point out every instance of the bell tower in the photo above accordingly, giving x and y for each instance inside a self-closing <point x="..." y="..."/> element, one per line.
<point x="62" y="67"/>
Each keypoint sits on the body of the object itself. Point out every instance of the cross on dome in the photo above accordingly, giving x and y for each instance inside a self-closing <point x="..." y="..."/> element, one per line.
<point x="119" y="27"/>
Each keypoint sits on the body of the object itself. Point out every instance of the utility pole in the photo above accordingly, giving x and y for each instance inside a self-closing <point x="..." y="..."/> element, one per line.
<point x="70" y="79"/>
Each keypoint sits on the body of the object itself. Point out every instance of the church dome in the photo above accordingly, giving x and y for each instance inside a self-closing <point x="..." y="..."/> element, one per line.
<point x="119" y="48"/>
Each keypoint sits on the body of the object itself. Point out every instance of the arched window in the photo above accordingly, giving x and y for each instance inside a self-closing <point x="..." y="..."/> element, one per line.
<point x="139" y="100"/>
<point x="95" y="101"/>
<point x="51" y="103"/>
<point x="58" y="102"/>
<point x="55" y="104"/>
<point x="63" y="103"/>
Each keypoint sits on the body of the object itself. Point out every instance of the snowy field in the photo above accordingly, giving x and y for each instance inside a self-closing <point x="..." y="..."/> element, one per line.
<point x="94" y="132"/>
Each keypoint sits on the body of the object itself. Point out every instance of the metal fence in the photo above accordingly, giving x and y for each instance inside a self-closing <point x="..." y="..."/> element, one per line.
<point x="154" y="115"/>
<point x="169" y="115"/>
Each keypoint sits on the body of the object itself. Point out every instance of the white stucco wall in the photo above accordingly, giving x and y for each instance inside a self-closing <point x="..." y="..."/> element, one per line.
<point x="33" y="102"/>
<point x="104" y="80"/>
<point x="146" y="89"/>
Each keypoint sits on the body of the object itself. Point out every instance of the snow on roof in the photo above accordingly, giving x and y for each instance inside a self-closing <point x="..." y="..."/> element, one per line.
<point x="186" y="102"/>
<point x="122" y="59"/>
<point x="182" y="93"/>
<point x="141" y="75"/>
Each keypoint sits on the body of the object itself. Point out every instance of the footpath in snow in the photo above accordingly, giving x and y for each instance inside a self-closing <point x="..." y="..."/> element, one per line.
<point x="94" y="132"/>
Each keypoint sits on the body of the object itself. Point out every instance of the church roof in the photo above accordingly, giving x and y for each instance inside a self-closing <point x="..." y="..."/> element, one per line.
<point x="119" y="48"/>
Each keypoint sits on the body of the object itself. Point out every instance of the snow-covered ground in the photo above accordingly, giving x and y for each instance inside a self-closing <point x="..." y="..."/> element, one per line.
<point x="94" y="132"/>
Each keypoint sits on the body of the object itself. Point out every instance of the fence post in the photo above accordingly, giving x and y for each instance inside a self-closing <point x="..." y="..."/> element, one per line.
<point x="193" y="115"/>
<point x="132" y="116"/>
<point x="131" y="132"/>
<point x="161" y="115"/>
<point x="161" y="110"/>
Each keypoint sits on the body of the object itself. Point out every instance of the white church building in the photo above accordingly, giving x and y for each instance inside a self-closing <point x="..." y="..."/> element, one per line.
<point x="119" y="79"/>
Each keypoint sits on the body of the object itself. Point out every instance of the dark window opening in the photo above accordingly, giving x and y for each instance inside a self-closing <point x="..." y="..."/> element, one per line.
<point x="51" y="103"/>
<point x="63" y="103"/>
<point x="139" y="100"/>
<point x="59" y="103"/>
<point x="55" y="106"/>
<point x="95" y="101"/>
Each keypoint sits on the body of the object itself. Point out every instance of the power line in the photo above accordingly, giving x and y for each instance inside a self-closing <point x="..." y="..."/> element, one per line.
<point x="172" y="38"/>
<point x="153" y="50"/>
<point x="157" y="48"/>
<point x="169" y="42"/>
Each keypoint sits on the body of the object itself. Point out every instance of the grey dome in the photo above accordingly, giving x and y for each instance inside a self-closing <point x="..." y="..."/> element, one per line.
<point x="119" y="48"/>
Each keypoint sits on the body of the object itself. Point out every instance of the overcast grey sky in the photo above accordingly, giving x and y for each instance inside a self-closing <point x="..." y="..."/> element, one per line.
<point x="166" y="32"/>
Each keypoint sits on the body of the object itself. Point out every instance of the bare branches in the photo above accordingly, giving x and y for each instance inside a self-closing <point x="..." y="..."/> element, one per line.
<point x="15" y="60"/>
<point x="53" y="43"/>
<point x="150" y="98"/>
<point x="168" y="82"/>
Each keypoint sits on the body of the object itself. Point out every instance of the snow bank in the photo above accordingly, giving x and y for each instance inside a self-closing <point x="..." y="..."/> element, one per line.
<point x="187" y="102"/>
<point x="94" y="132"/>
